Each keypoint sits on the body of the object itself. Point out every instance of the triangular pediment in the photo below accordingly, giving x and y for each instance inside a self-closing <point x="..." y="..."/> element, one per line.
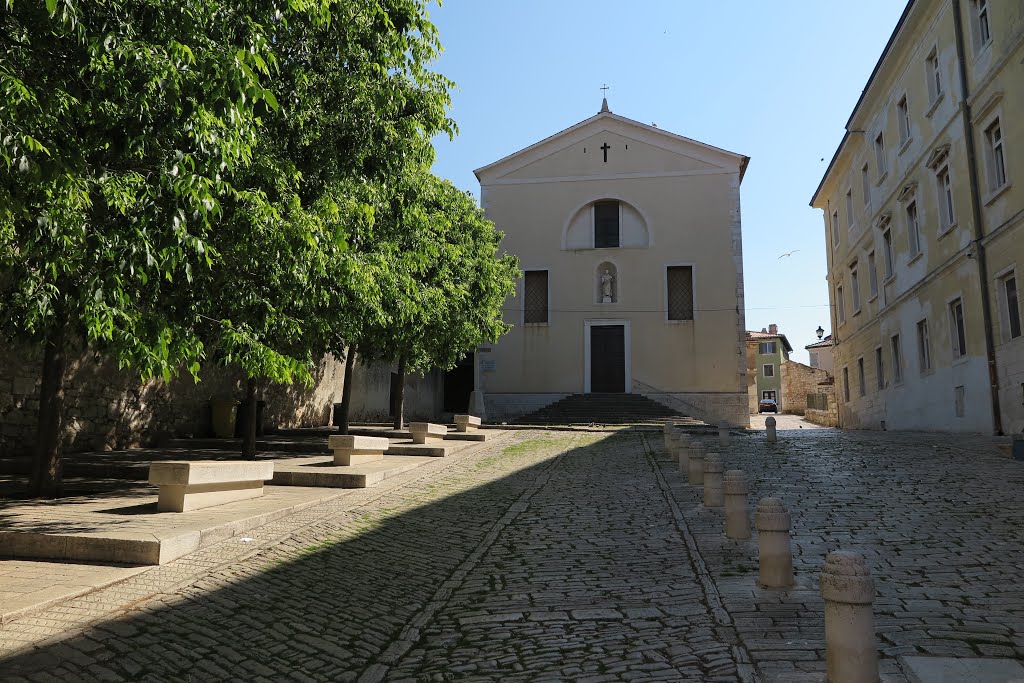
<point x="608" y="145"/>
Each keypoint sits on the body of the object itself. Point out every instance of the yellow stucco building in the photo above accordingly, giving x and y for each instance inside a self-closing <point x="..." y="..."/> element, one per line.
<point x="629" y="241"/>
<point x="924" y="205"/>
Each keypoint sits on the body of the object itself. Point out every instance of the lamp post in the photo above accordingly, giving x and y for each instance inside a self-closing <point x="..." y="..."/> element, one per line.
<point x="819" y="332"/>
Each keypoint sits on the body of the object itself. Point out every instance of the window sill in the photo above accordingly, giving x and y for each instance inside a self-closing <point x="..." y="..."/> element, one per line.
<point x="873" y="298"/>
<point x="995" y="194"/>
<point x="881" y="178"/>
<point x="961" y="359"/>
<point x="928" y="372"/>
<point x="915" y="257"/>
<point x="673" y="321"/>
<point x="947" y="230"/>
<point x="856" y="313"/>
<point x="889" y="280"/>
<point x="904" y="145"/>
<point x="935" y="105"/>
<point x="536" y="324"/>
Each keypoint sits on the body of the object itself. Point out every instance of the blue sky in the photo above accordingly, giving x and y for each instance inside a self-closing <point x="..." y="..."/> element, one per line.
<point x="775" y="81"/>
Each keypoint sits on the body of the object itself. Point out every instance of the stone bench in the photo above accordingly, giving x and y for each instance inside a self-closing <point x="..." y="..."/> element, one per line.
<point x="422" y="431"/>
<point x="356" y="450"/>
<point x="464" y="423"/>
<point x="186" y="486"/>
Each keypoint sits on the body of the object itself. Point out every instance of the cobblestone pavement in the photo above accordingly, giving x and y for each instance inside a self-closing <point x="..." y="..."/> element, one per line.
<point x="569" y="556"/>
<point x="782" y="422"/>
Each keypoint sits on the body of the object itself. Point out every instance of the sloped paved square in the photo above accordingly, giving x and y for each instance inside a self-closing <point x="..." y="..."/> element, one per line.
<point x="568" y="556"/>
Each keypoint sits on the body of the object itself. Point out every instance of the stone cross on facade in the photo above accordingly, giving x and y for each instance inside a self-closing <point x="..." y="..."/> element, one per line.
<point x="604" y="148"/>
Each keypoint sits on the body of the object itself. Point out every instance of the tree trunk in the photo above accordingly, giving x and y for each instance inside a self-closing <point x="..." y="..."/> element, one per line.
<point x="346" y="391"/>
<point x="249" y="437"/>
<point x="400" y="394"/>
<point x="46" y="478"/>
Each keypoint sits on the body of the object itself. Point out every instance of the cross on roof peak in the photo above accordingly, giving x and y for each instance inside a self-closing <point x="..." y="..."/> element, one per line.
<point x="604" y="98"/>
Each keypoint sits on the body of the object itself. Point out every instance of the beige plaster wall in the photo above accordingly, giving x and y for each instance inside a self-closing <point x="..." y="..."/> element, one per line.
<point x="923" y="284"/>
<point x="689" y="214"/>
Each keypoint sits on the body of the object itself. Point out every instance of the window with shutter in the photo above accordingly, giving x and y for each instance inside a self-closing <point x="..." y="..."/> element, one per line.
<point x="606" y="224"/>
<point x="680" y="292"/>
<point x="535" y="296"/>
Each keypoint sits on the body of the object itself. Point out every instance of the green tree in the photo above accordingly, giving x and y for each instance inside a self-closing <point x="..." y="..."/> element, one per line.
<point x="440" y="282"/>
<point x="130" y="127"/>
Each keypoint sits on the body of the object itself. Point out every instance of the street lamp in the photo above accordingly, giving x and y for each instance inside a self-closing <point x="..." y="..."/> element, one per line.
<point x="819" y="332"/>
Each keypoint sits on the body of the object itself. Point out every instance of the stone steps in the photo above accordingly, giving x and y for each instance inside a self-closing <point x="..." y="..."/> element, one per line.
<point x="604" y="409"/>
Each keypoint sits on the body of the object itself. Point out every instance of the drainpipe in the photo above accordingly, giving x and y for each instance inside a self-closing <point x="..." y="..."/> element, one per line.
<point x="976" y="211"/>
<point x="835" y="326"/>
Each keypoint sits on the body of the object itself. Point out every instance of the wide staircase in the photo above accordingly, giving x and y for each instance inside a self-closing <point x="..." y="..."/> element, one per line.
<point x="607" y="409"/>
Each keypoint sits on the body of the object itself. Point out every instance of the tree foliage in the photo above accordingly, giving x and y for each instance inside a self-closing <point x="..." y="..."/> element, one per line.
<point x="165" y="162"/>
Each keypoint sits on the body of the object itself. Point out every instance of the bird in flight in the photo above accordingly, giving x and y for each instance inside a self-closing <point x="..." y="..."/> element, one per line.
<point x="789" y="253"/>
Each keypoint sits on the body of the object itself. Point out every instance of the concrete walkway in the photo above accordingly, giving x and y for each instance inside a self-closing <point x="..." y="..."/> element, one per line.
<point x="564" y="556"/>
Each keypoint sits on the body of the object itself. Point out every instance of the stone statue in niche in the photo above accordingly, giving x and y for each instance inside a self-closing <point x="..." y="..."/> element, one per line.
<point x="607" y="286"/>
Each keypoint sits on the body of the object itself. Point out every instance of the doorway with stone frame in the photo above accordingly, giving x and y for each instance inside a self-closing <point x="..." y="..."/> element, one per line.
<point x="607" y="356"/>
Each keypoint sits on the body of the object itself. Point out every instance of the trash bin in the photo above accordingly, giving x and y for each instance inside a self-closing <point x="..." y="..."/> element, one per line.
<point x="223" y="415"/>
<point x="243" y="418"/>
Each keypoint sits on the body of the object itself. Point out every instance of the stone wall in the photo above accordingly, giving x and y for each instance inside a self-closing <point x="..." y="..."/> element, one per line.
<point x="798" y="380"/>
<point x="106" y="407"/>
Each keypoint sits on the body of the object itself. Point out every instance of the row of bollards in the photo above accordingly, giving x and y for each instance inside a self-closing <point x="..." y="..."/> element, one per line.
<point x="846" y="583"/>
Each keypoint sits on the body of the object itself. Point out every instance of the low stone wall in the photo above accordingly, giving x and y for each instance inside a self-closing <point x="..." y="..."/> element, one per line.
<point x="825" y="418"/>
<point x="108" y="408"/>
<point x="798" y="380"/>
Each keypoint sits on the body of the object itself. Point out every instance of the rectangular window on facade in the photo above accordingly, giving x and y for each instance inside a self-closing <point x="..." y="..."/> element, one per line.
<point x="872" y="275"/>
<point x="535" y="296"/>
<point x="957" y="330"/>
<point x="1011" y="307"/>
<point x="959" y="400"/>
<point x="995" y="155"/>
<point x="846" y="385"/>
<point x="924" y="347"/>
<point x="903" y="116"/>
<point x="865" y="181"/>
<point x="980" y="24"/>
<point x="934" y="75"/>
<point x="879" y="368"/>
<point x="860" y="377"/>
<point x="814" y="358"/>
<point x="880" y="155"/>
<point x="849" y="209"/>
<point x="946" y="215"/>
<point x="913" y="229"/>
<point x="680" y="292"/>
<point x="765" y="348"/>
<point x="606" y="224"/>
<point x="887" y="252"/>
<point x="835" y="229"/>
<point x="840" y="304"/>
<point x="897" y="359"/>
<point x="769" y="395"/>
<point x="768" y="370"/>
<point x="855" y="287"/>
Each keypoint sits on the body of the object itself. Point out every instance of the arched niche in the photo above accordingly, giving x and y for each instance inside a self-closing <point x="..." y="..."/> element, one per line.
<point x="634" y="230"/>
<point x="606" y="283"/>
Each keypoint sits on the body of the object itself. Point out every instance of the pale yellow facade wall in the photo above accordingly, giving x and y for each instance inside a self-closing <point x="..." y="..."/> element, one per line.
<point x="953" y="394"/>
<point x="676" y="210"/>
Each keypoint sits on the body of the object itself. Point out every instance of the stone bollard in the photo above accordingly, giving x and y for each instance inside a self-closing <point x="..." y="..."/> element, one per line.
<point x="848" y="589"/>
<point x="682" y="448"/>
<point x="669" y="434"/>
<point x="769" y="425"/>
<point x="723" y="436"/>
<point x="775" y="556"/>
<point x="684" y="459"/>
<point x="737" y="524"/>
<point x="696" y="470"/>
<point x="712" y="481"/>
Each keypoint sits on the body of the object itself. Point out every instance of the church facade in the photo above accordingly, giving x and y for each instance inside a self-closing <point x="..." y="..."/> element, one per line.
<point x="629" y="240"/>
